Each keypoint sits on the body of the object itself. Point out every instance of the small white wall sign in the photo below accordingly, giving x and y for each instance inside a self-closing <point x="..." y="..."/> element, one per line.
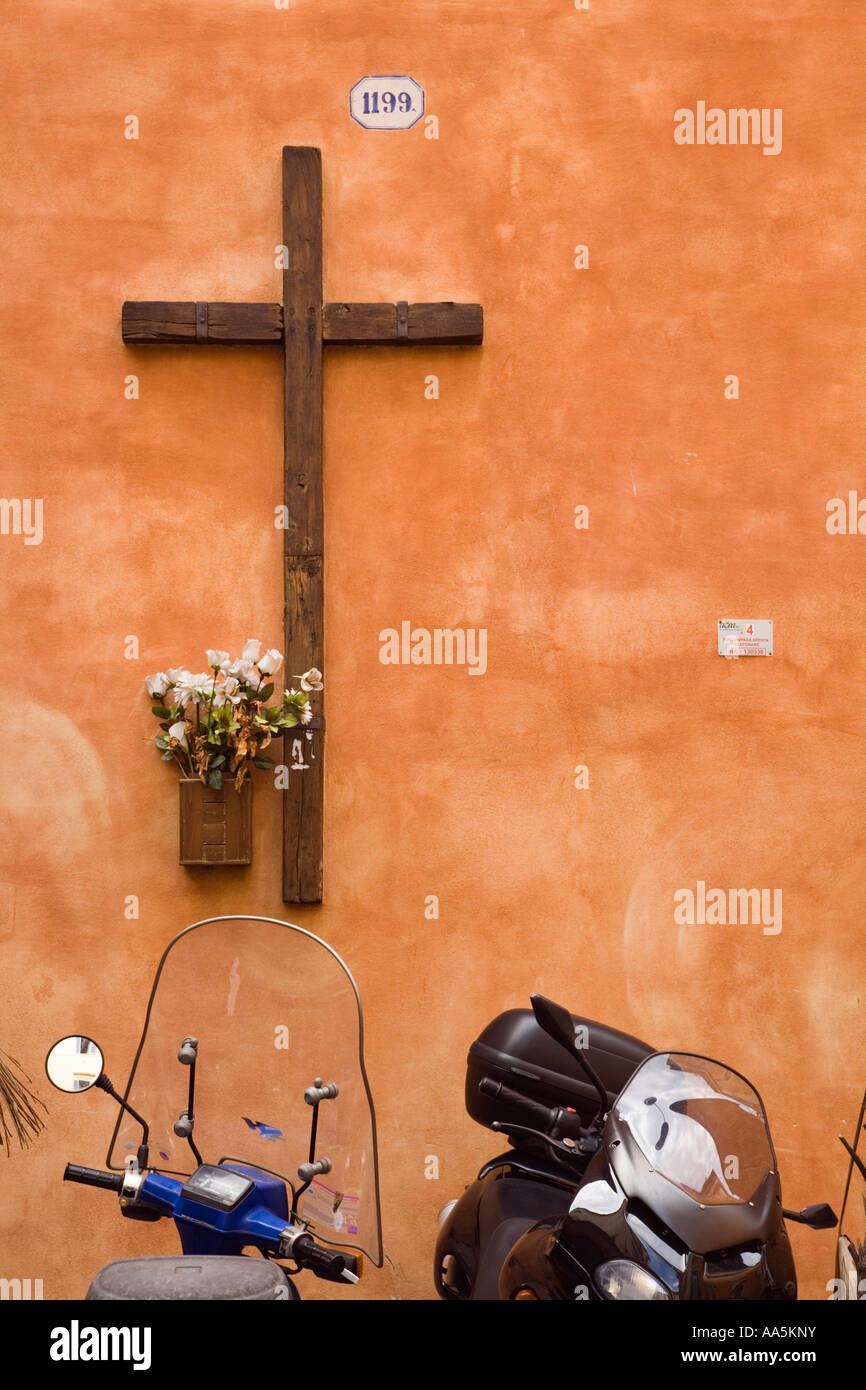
<point x="745" y="637"/>
<point x="386" y="103"/>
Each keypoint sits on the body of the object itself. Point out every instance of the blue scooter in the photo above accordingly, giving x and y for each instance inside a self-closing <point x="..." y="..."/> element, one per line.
<point x="265" y="997"/>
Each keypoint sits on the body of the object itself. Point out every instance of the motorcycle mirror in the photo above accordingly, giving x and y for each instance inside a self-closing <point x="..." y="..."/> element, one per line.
<point x="555" y="1019"/>
<point x="819" y="1218"/>
<point x="558" y="1023"/>
<point x="74" y="1064"/>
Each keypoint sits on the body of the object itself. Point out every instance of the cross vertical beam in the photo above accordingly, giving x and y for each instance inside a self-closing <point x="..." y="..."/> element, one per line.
<point x="303" y="295"/>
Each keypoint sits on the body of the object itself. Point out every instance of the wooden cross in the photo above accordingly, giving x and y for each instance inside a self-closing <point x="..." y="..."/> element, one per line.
<point x="303" y="325"/>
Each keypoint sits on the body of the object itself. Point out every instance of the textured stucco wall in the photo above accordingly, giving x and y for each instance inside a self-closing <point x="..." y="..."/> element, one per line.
<point x="601" y="387"/>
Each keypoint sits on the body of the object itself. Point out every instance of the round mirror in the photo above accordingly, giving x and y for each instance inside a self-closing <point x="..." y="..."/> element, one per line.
<point x="74" y="1064"/>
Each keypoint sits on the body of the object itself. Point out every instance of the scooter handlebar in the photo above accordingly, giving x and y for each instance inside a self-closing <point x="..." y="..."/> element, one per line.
<point x="93" y="1177"/>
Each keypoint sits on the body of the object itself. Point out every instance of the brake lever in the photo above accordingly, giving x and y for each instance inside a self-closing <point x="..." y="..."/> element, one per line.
<point x="574" y="1152"/>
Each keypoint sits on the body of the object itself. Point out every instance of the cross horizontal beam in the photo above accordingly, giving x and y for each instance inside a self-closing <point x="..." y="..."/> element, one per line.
<point x="261" y="325"/>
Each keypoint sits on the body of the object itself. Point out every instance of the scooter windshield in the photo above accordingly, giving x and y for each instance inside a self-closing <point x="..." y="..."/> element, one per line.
<point x="274" y="1011"/>
<point x="700" y="1125"/>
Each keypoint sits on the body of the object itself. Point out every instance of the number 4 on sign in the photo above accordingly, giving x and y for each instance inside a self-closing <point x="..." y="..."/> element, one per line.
<point x="302" y="325"/>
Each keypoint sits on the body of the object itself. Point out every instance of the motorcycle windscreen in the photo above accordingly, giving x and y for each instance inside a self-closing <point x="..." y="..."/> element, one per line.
<point x="274" y="1010"/>
<point x="851" y="1250"/>
<point x="699" y="1125"/>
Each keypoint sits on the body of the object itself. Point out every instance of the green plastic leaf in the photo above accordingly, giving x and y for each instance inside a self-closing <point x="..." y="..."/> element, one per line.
<point x="215" y="778"/>
<point x="263" y="761"/>
<point x="162" y="741"/>
<point x="160" y="711"/>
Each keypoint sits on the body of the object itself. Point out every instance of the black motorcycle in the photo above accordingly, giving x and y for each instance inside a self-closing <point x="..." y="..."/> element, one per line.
<point x="631" y="1174"/>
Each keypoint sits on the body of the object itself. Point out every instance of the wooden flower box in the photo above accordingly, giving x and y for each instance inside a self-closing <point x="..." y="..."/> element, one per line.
<point x="215" y="824"/>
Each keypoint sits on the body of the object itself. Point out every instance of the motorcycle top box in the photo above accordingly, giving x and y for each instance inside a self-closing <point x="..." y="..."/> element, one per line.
<point x="517" y="1052"/>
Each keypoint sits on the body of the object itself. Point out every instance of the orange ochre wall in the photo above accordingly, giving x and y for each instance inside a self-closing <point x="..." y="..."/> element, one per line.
<point x="602" y="387"/>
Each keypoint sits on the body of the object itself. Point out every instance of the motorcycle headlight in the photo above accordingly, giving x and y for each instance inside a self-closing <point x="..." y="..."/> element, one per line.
<point x="624" y="1279"/>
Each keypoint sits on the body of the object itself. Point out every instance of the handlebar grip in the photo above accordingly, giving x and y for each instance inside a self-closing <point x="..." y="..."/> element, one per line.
<point x="488" y="1087"/>
<point x="562" y="1124"/>
<point x="93" y="1177"/>
<point x="331" y="1265"/>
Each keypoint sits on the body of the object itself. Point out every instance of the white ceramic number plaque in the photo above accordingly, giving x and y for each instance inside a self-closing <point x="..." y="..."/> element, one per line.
<point x="386" y="103"/>
<point x="745" y="637"/>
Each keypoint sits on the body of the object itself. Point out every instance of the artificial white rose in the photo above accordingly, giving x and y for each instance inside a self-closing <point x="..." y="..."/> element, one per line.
<point x="195" y="688"/>
<point x="203" y="687"/>
<point x="271" y="662"/>
<point x="246" y="673"/>
<point x="216" y="658"/>
<point x="178" y="731"/>
<point x="252" y="649"/>
<point x="312" y="679"/>
<point x="157" y="685"/>
<point x="306" y="714"/>
<point x="228" y="693"/>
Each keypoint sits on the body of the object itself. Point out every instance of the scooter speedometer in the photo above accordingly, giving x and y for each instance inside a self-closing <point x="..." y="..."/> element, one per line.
<point x="217" y="1187"/>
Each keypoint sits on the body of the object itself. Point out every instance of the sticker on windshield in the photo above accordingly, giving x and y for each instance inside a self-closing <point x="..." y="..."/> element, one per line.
<point x="325" y="1206"/>
<point x="265" y="1131"/>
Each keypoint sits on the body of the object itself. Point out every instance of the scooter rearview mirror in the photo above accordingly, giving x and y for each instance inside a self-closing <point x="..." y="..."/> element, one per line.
<point x="74" y="1064"/>
<point x="819" y="1218"/>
